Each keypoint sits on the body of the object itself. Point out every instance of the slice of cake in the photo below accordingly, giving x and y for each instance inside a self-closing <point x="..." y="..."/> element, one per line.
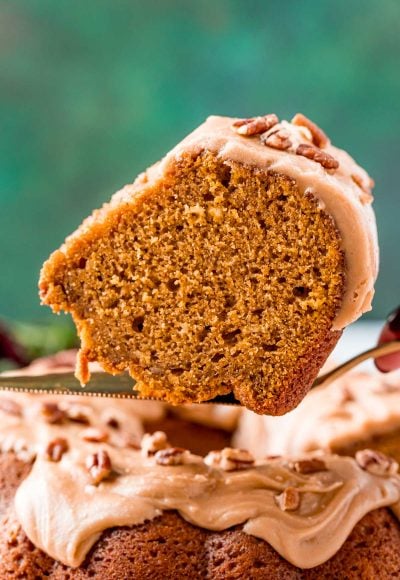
<point x="230" y="266"/>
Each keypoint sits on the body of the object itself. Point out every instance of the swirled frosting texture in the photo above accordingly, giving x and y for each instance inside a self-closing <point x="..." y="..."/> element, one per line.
<point x="63" y="514"/>
<point x="63" y="511"/>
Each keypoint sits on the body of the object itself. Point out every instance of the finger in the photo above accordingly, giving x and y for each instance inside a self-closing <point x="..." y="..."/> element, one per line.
<point x="391" y="331"/>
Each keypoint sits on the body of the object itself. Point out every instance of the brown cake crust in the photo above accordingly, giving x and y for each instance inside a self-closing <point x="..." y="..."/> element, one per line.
<point x="247" y="307"/>
<point x="170" y="548"/>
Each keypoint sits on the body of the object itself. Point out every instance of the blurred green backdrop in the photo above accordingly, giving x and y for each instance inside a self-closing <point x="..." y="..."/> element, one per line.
<point x="93" y="91"/>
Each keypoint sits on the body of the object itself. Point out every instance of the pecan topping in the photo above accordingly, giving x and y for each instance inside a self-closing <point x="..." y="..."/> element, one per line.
<point x="347" y="396"/>
<point x="321" y="157"/>
<point x="320" y="139"/>
<point x="277" y="139"/>
<point x="229" y="459"/>
<point x="99" y="466"/>
<point x="171" y="456"/>
<point x="365" y="186"/>
<point x="94" y="435"/>
<point x="376" y="462"/>
<point x="56" y="449"/>
<point x="255" y="125"/>
<point x="113" y="423"/>
<point x="10" y="407"/>
<point x="306" y="466"/>
<point x="151" y="443"/>
<point x="76" y="414"/>
<point x="53" y="413"/>
<point x="289" y="499"/>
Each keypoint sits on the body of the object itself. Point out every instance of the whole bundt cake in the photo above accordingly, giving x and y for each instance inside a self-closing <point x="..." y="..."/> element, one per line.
<point x="230" y="266"/>
<point x="81" y="498"/>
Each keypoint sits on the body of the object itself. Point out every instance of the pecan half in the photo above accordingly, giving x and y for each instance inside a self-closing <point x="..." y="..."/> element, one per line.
<point x="170" y="456"/>
<point x="10" y="407"/>
<point x="315" y="154"/>
<point x="277" y="139"/>
<point x="255" y="125"/>
<point x="95" y="435"/>
<point x="230" y="459"/>
<point x="151" y="443"/>
<point x="376" y="462"/>
<point x="312" y="465"/>
<point x="289" y="499"/>
<point x="98" y="466"/>
<point x="52" y="413"/>
<point x="56" y="449"/>
<point x="320" y="139"/>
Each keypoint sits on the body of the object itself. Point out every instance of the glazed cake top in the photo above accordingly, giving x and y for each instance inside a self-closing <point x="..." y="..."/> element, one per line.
<point x="90" y="472"/>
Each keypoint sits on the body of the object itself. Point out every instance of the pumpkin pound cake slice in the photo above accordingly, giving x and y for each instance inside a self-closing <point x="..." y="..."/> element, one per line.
<point x="230" y="266"/>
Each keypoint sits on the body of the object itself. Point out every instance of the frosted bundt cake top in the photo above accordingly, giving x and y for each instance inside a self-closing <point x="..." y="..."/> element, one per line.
<point x="89" y="475"/>
<point x="302" y="151"/>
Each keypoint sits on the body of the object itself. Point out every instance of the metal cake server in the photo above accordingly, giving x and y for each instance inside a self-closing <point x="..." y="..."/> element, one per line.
<point x="122" y="386"/>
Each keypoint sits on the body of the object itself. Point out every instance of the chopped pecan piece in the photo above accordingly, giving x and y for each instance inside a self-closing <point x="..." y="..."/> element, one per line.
<point x="289" y="499"/>
<point x="229" y="459"/>
<point x="113" y="423"/>
<point x="277" y="139"/>
<point x="53" y="413"/>
<point x="321" y="157"/>
<point x="95" y="435"/>
<point x="376" y="462"/>
<point x="56" y="449"/>
<point x="151" y="443"/>
<point x="320" y="139"/>
<point x="255" y="125"/>
<point x="99" y="466"/>
<point x="365" y="186"/>
<point x="76" y="414"/>
<point x="347" y="396"/>
<point x="10" y="407"/>
<point x="306" y="466"/>
<point x="171" y="456"/>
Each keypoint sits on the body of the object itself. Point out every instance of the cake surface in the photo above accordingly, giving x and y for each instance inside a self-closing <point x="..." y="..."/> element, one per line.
<point x="230" y="266"/>
<point x="75" y="503"/>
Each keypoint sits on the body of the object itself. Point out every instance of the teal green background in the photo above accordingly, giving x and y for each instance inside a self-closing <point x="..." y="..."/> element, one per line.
<point x="93" y="91"/>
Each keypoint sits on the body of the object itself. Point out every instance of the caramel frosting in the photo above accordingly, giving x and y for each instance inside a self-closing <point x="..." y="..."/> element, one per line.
<point x="89" y="474"/>
<point x="344" y="193"/>
<point x="351" y="409"/>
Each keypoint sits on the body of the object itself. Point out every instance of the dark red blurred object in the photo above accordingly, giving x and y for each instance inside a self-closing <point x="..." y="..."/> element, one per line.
<point x="10" y="350"/>
<point x="391" y="331"/>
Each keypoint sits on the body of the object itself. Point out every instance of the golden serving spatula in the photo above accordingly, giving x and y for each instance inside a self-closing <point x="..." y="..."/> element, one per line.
<point x="122" y="386"/>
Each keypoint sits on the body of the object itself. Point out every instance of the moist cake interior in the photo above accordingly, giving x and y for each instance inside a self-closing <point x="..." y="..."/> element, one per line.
<point x="222" y="277"/>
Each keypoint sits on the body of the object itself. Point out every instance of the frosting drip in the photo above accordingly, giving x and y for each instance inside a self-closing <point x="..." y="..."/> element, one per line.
<point x="63" y="515"/>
